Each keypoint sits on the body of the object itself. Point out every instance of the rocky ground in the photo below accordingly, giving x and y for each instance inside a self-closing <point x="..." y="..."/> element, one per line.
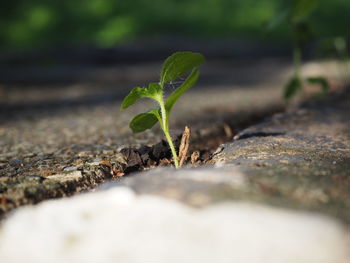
<point x="275" y="184"/>
<point x="299" y="159"/>
<point x="58" y="125"/>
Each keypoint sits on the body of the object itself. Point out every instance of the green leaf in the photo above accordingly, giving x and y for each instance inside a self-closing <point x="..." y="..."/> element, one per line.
<point x="301" y="9"/>
<point x="152" y="91"/>
<point x="144" y="121"/>
<point x="321" y="81"/>
<point x="178" y="64"/>
<point x="188" y="83"/>
<point x="292" y="88"/>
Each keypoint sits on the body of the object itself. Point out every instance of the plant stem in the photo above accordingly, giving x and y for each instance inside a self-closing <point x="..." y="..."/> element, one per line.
<point x="172" y="148"/>
<point x="297" y="61"/>
<point x="165" y="128"/>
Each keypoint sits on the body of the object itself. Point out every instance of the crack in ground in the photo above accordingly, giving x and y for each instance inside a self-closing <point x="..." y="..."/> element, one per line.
<point x="23" y="186"/>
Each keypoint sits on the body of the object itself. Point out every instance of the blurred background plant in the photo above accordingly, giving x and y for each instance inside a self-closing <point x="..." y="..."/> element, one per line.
<point x="296" y="13"/>
<point x="104" y="23"/>
<point x="50" y="32"/>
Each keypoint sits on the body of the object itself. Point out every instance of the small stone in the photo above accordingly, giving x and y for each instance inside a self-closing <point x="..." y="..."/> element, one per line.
<point x="84" y="153"/>
<point x="43" y="167"/>
<point x="3" y="165"/>
<point x="79" y="162"/>
<point x="16" y="163"/>
<point x="35" y="178"/>
<point x="95" y="162"/>
<point x="99" y="147"/>
<point x="108" y="152"/>
<point x="29" y="155"/>
<point x="70" y="168"/>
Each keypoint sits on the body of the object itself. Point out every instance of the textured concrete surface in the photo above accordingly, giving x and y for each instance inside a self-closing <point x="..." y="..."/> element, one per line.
<point x="51" y="125"/>
<point x="299" y="159"/>
<point x="279" y="192"/>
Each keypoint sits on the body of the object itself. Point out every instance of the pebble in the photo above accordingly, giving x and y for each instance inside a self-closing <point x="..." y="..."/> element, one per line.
<point x="70" y="168"/>
<point x="84" y="153"/>
<point x="95" y="162"/>
<point x="43" y="167"/>
<point x="16" y="163"/>
<point x="108" y="152"/>
<point x="100" y="146"/>
<point x="29" y="155"/>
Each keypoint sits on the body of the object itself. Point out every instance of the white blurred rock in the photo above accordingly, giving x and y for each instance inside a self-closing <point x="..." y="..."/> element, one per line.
<point x="117" y="226"/>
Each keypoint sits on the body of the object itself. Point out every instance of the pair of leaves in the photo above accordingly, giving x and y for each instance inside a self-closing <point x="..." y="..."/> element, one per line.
<point x="295" y="85"/>
<point x="148" y="119"/>
<point x="174" y="66"/>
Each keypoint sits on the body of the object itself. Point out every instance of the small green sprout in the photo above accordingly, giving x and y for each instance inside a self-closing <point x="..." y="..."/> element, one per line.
<point x="297" y="15"/>
<point x="175" y="66"/>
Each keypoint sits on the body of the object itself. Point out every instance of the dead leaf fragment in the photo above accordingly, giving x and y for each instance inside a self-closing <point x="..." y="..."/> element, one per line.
<point x="228" y="131"/>
<point x="185" y="142"/>
<point x="195" y="157"/>
<point x="164" y="162"/>
<point x="117" y="172"/>
<point x="106" y="163"/>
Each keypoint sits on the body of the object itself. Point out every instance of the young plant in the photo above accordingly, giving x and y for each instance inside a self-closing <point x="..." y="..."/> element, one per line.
<point x="175" y="66"/>
<point x="296" y="15"/>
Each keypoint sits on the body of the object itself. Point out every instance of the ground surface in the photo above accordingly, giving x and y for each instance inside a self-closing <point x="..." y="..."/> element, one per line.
<point x="279" y="183"/>
<point x="299" y="159"/>
<point x="54" y="120"/>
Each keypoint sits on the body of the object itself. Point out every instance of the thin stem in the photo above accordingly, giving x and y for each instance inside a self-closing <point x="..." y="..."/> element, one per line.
<point x="297" y="61"/>
<point x="165" y="128"/>
<point x="163" y="114"/>
<point x="172" y="148"/>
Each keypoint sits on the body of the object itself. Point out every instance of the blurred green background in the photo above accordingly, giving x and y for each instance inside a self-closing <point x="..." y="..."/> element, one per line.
<point x="28" y="24"/>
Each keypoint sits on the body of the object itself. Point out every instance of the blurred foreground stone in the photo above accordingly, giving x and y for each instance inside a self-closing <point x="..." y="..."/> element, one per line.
<point x="118" y="226"/>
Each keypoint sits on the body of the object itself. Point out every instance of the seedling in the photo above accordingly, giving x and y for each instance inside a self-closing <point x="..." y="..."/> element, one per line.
<point x="175" y="66"/>
<point x="296" y="15"/>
